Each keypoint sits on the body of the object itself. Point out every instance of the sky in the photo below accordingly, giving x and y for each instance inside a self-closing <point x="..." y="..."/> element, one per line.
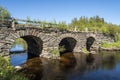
<point x="63" y="10"/>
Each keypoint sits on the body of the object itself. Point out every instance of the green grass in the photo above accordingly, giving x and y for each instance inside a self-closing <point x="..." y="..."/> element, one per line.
<point x="55" y="52"/>
<point x="8" y="72"/>
<point x="84" y="50"/>
<point x="111" y="45"/>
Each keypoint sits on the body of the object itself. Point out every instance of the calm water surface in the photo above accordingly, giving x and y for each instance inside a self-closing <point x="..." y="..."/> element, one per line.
<point x="72" y="66"/>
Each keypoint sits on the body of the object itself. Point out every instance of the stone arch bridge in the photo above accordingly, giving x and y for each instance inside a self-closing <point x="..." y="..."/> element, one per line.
<point x="39" y="40"/>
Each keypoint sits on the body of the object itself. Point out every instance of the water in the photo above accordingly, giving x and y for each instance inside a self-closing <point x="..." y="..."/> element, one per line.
<point x="73" y="66"/>
<point x="18" y="59"/>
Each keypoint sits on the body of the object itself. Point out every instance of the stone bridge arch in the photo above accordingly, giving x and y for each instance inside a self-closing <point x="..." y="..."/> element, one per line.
<point x="89" y="43"/>
<point x="33" y="38"/>
<point x="69" y="40"/>
<point x="92" y="42"/>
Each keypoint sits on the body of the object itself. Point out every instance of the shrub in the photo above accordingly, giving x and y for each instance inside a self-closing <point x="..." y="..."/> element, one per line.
<point x="110" y="45"/>
<point x="8" y="72"/>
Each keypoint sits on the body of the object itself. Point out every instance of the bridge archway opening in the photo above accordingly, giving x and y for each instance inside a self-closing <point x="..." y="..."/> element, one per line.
<point x="31" y="47"/>
<point x="19" y="45"/>
<point x="67" y="45"/>
<point x="18" y="54"/>
<point x="89" y="43"/>
<point x="35" y="46"/>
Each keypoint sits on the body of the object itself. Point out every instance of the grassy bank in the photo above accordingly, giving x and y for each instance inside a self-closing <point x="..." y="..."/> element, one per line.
<point x="111" y="45"/>
<point x="8" y="72"/>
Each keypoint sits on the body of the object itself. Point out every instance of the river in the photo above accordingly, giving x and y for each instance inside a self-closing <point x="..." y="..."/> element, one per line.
<point x="71" y="66"/>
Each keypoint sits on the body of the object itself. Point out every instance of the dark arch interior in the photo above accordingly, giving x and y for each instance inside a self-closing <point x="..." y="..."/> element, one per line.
<point x="67" y="45"/>
<point x="35" y="46"/>
<point x="89" y="43"/>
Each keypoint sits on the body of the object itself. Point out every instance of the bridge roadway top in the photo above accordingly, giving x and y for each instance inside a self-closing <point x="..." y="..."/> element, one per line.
<point x="46" y="30"/>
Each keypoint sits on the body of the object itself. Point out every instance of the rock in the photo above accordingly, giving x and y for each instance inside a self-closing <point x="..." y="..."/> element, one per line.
<point x="18" y="67"/>
<point x="49" y="56"/>
<point x="93" y="52"/>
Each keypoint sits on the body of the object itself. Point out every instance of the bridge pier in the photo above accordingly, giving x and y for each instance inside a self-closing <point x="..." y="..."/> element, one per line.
<point x="49" y="53"/>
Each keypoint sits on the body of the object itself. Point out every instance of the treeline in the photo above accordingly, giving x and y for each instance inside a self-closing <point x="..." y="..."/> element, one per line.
<point x="95" y="24"/>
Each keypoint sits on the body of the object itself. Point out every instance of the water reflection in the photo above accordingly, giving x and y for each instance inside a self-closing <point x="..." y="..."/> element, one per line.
<point x="91" y="62"/>
<point x="33" y="69"/>
<point x="17" y="59"/>
<point x="75" y="66"/>
<point x="67" y="61"/>
<point x="31" y="55"/>
<point x="90" y="58"/>
<point x="108" y="61"/>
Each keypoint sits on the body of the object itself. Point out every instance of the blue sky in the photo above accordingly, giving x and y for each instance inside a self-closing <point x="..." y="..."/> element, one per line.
<point x="64" y="10"/>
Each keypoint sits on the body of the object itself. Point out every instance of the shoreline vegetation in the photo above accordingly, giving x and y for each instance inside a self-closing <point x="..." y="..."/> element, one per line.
<point x="8" y="72"/>
<point x="115" y="46"/>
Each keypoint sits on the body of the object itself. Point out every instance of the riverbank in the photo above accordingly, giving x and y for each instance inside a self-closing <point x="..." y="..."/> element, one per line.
<point x="8" y="72"/>
<point x="109" y="49"/>
<point x="115" y="46"/>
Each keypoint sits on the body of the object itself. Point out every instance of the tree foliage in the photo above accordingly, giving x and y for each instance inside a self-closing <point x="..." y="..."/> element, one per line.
<point x="4" y="13"/>
<point x="95" y="24"/>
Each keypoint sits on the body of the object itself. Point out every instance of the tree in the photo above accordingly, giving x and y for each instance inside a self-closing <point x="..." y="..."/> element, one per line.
<point x="4" y="17"/>
<point x="4" y="13"/>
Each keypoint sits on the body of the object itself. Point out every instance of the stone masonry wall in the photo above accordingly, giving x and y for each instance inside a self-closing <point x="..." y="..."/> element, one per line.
<point x="49" y="39"/>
